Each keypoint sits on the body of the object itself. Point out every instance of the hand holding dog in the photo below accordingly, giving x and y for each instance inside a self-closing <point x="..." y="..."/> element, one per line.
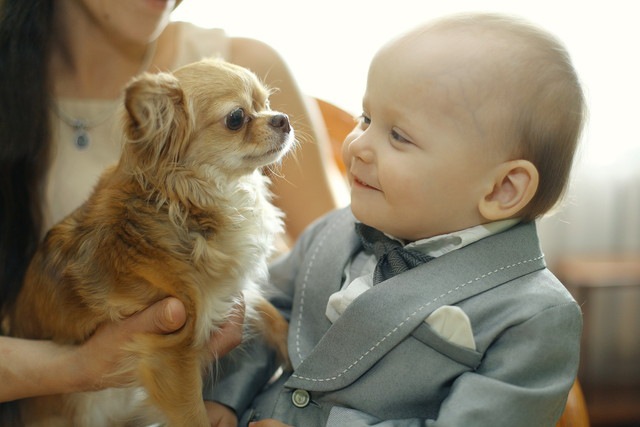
<point x="220" y="415"/>
<point x="100" y="355"/>
<point x="49" y="368"/>
<point x="269" y="423"/>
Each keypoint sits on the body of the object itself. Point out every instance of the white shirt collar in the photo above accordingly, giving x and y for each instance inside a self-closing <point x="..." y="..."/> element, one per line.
<point x="433" y="246"/>
<point x="439" y="245"/>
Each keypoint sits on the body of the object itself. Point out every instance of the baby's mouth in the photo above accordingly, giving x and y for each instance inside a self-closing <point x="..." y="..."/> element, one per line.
<point x="361" y="183"/>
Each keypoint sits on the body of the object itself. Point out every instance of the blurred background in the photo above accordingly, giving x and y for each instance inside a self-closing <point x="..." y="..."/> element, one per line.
<point x="592" y="242"/>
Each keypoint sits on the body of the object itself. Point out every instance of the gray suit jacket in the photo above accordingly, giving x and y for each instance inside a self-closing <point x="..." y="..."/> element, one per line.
<point x="381" y="364"/>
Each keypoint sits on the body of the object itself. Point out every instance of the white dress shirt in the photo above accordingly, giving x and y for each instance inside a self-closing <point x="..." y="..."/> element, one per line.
<point x="450" y="322"/>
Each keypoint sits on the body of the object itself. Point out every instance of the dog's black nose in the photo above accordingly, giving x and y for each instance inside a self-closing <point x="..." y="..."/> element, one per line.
<point x="281" y="121"/>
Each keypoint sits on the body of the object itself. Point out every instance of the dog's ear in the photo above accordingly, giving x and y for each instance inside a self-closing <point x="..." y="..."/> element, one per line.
<point x="157" y="124"/>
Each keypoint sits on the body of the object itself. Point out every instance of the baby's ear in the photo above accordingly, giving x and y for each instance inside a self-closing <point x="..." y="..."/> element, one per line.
<point x="513" y="186"/>
<point x="156" y="119"/>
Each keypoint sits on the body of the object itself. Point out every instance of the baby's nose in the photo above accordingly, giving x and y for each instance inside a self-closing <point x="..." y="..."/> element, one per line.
<point x="357" y="146"/>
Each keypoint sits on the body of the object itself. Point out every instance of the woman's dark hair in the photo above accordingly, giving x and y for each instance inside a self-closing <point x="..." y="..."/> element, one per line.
<point x="25" y="30"/>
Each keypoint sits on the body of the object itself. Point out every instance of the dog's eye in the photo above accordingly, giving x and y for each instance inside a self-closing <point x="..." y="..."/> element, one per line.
<point x="236" y="119"/>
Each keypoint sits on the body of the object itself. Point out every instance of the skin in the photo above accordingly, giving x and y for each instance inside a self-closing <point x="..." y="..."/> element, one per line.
<point x="268" y="423"/>
<point x="420" y="141"/>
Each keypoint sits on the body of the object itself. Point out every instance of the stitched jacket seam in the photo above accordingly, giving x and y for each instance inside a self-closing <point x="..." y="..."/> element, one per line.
<point x="399" y="325"/>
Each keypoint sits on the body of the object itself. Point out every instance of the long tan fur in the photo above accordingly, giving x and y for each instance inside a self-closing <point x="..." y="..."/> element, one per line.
<point x="186" y="212"/>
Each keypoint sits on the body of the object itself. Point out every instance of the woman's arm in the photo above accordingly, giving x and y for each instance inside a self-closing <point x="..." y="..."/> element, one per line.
<point x="310" y="183"/>
<point x="33" y="368"/>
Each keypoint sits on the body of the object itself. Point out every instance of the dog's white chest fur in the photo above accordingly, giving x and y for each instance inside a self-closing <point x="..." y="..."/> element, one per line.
<point x="242" y="249"/>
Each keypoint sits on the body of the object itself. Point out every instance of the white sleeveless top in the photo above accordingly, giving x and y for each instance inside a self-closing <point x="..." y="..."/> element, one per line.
<point x="74" y="171"/>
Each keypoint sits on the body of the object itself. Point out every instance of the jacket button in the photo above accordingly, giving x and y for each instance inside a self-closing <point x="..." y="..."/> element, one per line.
<point x="300" y="398"/>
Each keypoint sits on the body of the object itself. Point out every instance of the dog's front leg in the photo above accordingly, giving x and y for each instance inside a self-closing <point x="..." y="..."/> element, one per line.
<point x="170" y="370"/>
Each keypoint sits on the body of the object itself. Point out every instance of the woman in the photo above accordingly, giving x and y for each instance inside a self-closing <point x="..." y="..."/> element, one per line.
<point x="63" y="64"/>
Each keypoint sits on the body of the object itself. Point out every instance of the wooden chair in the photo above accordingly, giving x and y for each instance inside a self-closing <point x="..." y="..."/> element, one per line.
<point x="339" y="123"/>
<point x="575" y="411"/>
<point x="607" y="287"/>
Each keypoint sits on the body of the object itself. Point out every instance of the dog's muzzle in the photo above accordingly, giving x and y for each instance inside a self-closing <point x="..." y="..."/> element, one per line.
<point x="280" y="121"/>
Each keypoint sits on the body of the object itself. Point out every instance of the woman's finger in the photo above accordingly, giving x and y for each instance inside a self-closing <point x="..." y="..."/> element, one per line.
<point x="164" y="317"/>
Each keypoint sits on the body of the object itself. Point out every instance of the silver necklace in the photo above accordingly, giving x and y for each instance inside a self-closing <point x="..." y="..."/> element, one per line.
<point x="81" y="125"/>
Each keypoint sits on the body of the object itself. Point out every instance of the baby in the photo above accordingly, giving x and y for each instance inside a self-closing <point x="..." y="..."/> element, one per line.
<point x="427" y="302"/>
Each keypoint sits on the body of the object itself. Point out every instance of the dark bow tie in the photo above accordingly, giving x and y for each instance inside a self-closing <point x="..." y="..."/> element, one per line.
<point x="392" y="257"/>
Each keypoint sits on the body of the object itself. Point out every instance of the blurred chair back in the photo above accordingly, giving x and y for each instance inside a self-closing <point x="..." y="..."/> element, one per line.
<point x="575" y="411"/>
<point x="607" y="287"/>
<point x="339" y="123"/>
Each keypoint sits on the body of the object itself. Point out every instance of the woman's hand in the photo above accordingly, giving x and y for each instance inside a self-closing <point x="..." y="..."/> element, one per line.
<point x="31" y="368"/>
<point x="220" y="415"/>
<point x="100" y="357"/>
<point x="268" y="423"/>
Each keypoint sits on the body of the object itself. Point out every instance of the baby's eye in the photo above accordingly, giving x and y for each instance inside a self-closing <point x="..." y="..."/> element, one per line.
<point x="236" y="119"/>
<point x="397" y="137"/>
<point x="363" y="121"/>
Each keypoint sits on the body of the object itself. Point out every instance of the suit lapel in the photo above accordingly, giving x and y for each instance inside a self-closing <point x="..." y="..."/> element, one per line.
<point x="382" y="317"/>
<point x="322" y="276"/>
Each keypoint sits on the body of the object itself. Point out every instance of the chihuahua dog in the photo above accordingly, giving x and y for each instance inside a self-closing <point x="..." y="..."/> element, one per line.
<point x="185" y="212"/>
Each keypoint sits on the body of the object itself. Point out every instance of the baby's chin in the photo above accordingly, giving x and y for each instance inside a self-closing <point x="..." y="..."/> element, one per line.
<point x="366" y="215"/>
<point x="389" y="225"/>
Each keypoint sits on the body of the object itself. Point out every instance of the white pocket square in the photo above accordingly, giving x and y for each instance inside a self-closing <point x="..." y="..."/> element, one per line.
<point x="452" y="324"/>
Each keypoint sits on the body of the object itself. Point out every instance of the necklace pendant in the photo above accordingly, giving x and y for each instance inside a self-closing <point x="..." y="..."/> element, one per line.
<point x="81" y="137"/>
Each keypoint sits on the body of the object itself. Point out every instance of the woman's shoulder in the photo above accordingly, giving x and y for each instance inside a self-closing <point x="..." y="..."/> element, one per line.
<point x="194" y="43"/>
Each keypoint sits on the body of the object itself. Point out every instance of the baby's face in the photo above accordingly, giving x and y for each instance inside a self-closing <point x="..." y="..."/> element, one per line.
<point x="420" y="159"/>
